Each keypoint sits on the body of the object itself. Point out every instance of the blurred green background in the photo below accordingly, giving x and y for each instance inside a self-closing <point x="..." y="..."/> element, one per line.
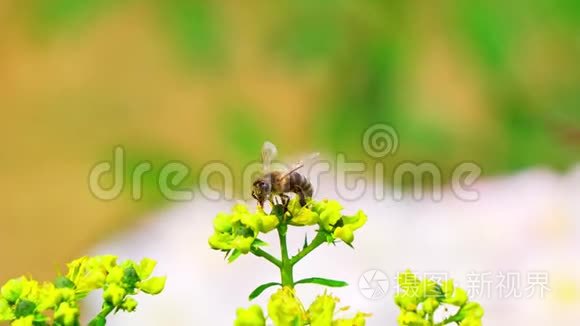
<point x="493" y="82"/>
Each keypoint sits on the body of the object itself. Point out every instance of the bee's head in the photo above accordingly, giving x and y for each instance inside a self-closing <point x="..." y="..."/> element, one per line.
<point x="261" y="189"/>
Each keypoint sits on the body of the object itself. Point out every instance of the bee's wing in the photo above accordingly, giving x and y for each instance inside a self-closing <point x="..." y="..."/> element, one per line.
<point x="269" y="151"/>
<point x="301" y="163"/>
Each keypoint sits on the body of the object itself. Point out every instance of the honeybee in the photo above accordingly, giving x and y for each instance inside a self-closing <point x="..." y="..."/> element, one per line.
<point x="278" y="183"/>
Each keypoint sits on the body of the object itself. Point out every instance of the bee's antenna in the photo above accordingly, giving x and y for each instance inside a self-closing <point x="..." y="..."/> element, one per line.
<point x="301" y="164"/>
<point x="298" y="166"/>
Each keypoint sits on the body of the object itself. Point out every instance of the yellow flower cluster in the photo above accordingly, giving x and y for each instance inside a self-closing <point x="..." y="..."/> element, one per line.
<point x="22" y="297"/>
<point x="328" y="215"/>
<point x="237" y="233"/>
<point x="285" y="309"/>
<point x="25" y="302"/>
<point x="239" y="230"/>
<point x="419" y="299"/>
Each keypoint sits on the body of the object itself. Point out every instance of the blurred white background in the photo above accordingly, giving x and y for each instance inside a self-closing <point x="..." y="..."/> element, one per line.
<point x="523" y="223"/>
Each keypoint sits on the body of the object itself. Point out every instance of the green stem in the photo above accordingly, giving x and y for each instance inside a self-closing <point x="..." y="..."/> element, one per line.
<point x="261" y="253"/>
<point x="106" y="311"/>
<point x="100" y="319"/>
<point x="286" y="270"/>
<point x="317" y="241"/>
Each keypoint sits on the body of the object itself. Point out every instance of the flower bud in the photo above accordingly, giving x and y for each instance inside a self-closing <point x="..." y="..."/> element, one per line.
<point x="66" y="314"/>
<point x="459" y="297"/>
<point x="304" y="217"/>
<point x="145" y="268"/>
<point x="221" y="241"/>
<point x="408" y="282"/>
<point x="471" y="310"/>
<point x="411" y="318"/>
<point x="329" y="212"/>
<point x="406" y="302"/>
<point x="94" y="280"/>
<point x="285" y="309"/>
<point x="66" y="294"/>
<point x="321" y="310"/>
<point x="251" y="221"/>
<point x="48" y="296"/>
<point x="24" y="321"/>
<point x="108" y="261"/>
<point x="301" y="215"/>
<point x="222" y="223"/>
<point x="114" y="294"/>
<point x="129" y="305"/>
<point x="240" y="208"/>
<point x="115" y="275"/>
<point x="153" y="285"/>
<point x="447" y="287"/>
<point x="267" y="222"/>
<point x="345" y="232"/>
<point x="243" y="244"/>
<point x="5" y="310"/>
<point x="76" y="268"/>
<point x="12" y="290"/>
<point x="294" y="207"/>
<point x="430" y="305"/>
<point x="253" y="316"/>
<point x="427" y="289"/>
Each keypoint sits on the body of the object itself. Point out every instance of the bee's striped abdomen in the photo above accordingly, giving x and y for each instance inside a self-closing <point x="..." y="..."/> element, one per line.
<point x="300" y="184"/>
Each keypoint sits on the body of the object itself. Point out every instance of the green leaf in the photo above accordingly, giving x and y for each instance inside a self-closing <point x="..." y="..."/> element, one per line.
<point x="329" y="238"/>
<point x="130" y="277"/>
<point x="228" y="252"/>
<point x="322" y="281"/>
<point x="62" y="282"/>
<point x="235" y="255"/>
<point x="259" y="243"/>
<point x="261" y="289"/>
<point x="24" y="308"/>
<point x="98" y="321"/>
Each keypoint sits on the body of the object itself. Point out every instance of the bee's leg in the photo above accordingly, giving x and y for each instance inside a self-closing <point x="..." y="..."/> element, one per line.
<point x="273" y="200"/>
<point x="285" y="199"/>
<point x="300" y="193"/>
<point x="302" y="200"/>
<point x="257" y="199"/>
